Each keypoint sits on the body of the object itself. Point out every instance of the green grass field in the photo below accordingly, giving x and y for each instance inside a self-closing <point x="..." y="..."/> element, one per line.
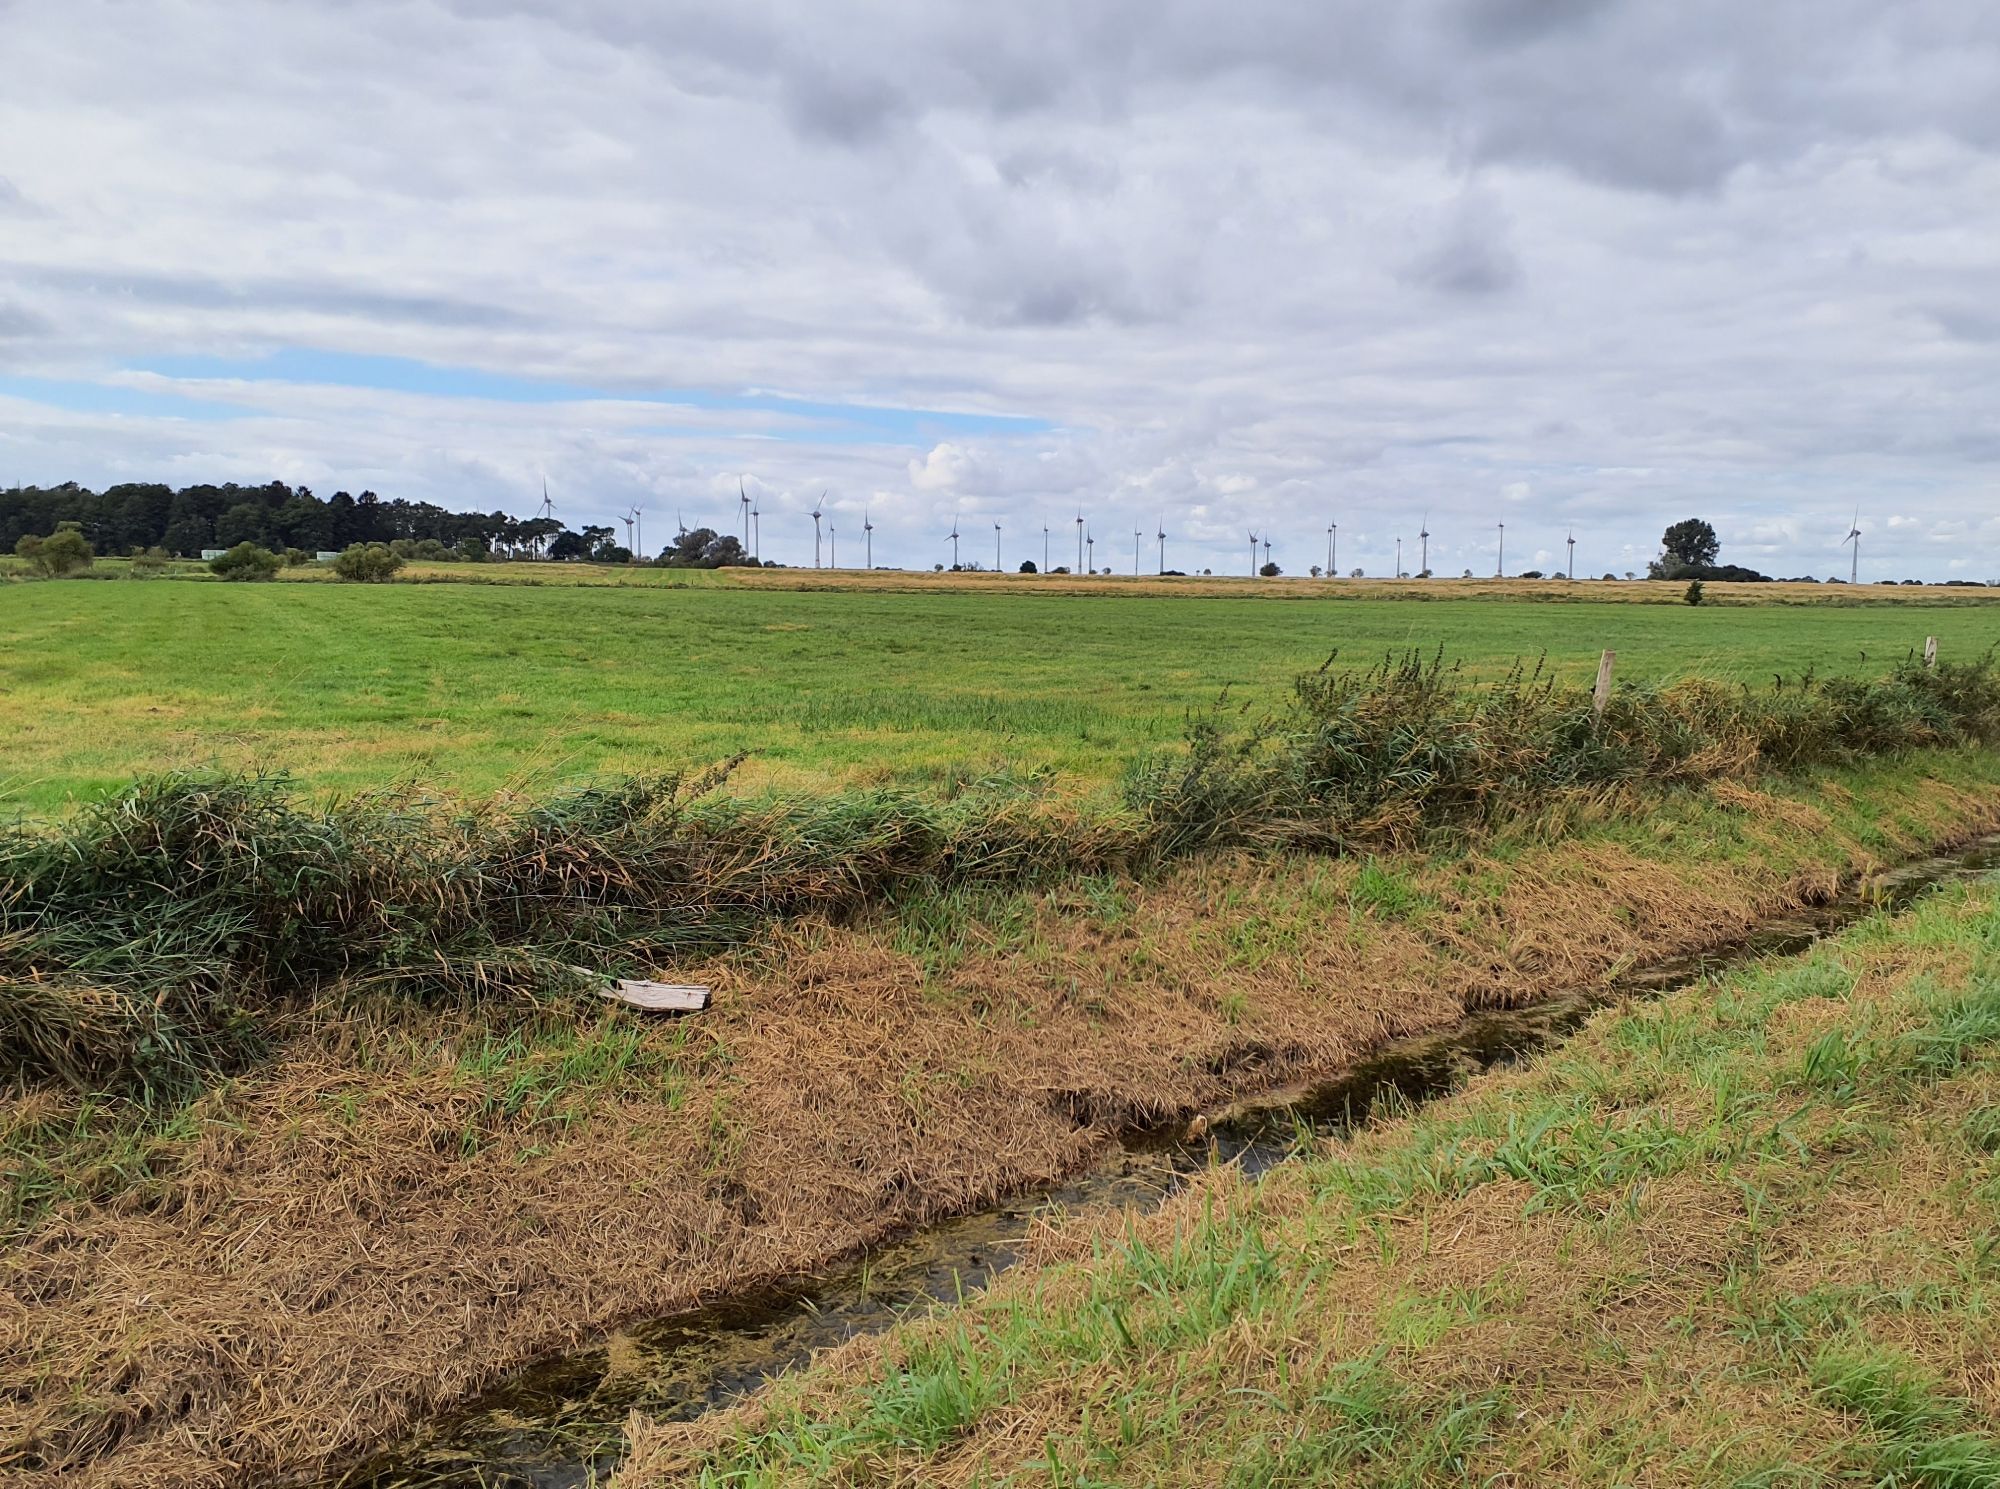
<point x="476" y="686"/>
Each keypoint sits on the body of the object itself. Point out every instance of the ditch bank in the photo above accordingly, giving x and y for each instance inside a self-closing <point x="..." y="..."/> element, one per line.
<point x="400" y="1211"/>
<point x="560" y="1423"/>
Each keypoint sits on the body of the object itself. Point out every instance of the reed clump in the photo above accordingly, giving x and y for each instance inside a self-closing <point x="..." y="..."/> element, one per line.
<point x="1412" y="744"/>
<point x="163" y="935"/>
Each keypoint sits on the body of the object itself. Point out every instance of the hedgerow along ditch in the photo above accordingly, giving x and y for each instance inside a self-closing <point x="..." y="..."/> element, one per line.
<point x="160" y="937"/>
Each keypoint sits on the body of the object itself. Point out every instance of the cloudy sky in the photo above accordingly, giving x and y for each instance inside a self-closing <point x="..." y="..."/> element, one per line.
<point x="1566" y="264"/>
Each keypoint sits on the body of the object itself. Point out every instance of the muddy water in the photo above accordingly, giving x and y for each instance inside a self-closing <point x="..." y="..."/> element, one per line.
<point x="557" y="1424"/>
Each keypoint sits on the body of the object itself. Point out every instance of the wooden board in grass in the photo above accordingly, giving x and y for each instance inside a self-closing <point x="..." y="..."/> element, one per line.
<point x="655" y="997"/>
<point x="658" y="997"/>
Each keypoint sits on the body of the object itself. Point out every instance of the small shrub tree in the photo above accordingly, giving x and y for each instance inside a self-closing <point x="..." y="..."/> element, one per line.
<point x="62" y="552"/>
<point x="149" y="563"/>
<point x="246" y="562"/>
<point x="1693" y="595"/>
<point x="367" y="563"/>
<point x="1028" y="566"/>
<point x="1269" y="571"/>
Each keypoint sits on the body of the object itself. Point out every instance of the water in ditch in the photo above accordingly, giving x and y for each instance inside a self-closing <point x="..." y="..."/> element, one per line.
<point x="558" y="1424"/>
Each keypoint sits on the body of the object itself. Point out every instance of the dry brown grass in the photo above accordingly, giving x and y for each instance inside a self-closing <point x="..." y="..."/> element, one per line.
<point x="357" y="1236"/>
<point x="1289" y="587"/>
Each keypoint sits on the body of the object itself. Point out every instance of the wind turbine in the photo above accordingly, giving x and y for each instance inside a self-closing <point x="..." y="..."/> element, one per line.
<point x="868" y="538"/>
<point x="816" y="516"/>
<point x="1091" y="539"/>
<point x="954" y="543"/>
<point x="832" y="546"/>
<point x="1253" y="555"/>
<point x="1079" y="538"/>
<point x="1424" y="562"/>
<point x="743" y="499"/>
<point x="1045" y="548"/>
<point x="1332" y="538"/>
<point x="548" y="510"/>
<point x="996" y="547"/>
<point x="1571" y="540"/>
<point x="1854" y="537"/>
<point x="1267" y="553"/>
<point x="1162" y="536"/>
<point x="1138" y="537"/>
<point x="639" y="516"/>
<point x="757" y="534"/>
<point x="1399" y="558"/>
<point x="628" y="519"/>
<point x="1501" y="572"/>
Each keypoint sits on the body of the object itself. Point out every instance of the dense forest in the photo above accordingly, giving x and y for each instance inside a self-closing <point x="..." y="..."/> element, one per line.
<point x="138" y="516"/>
<point x="135" y="517"/>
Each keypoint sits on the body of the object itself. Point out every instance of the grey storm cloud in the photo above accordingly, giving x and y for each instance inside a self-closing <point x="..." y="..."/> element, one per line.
<point x="1257" y="265"/>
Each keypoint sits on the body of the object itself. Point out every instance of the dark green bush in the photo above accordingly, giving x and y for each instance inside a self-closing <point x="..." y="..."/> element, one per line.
<point x="246" y="561"/>
<point x="367" y="563"/>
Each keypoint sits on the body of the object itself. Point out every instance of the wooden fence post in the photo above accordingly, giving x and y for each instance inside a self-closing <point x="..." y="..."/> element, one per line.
<point x="1930" y="651"/>
<point x="1602" y="693"/>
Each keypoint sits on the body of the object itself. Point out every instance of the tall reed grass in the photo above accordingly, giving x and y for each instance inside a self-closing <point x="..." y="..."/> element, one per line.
<point x="161" y="936"/>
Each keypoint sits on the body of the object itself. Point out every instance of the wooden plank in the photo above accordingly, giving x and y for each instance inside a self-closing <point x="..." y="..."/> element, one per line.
<point x="1930" y="651"/>
<point x="1601" y="695"/>
<point x="658" y="997"/>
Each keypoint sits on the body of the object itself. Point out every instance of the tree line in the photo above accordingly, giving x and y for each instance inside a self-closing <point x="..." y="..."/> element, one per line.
<point x="136" y="516"/>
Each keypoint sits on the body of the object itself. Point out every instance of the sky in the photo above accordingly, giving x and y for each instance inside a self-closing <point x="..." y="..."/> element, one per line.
<point x="1574" y="266"/>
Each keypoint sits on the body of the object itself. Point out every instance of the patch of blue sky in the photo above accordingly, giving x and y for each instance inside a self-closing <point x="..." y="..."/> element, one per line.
<point x="82" y="396"/>
<point x="802" y="419"/>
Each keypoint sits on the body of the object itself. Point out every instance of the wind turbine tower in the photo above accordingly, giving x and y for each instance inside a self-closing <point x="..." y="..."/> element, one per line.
<point x="996" y="547"/>
<point x="1162" y="536"/>
<point x="757" y="534"/>
<point x="816" y="516"/>
<point x="1854" y="537"/>
<point x="1138" y="537"/>
<point x="954" y="543"/>
<point x="832" y="546"/>
<point x="1079" y="540"/>
<point x="1045" y="548"/>
<point x="1424" y="560"/>
<point x="1253" y="555"/>
<point x="743" y="500"/>
<point x="1399" y="558"/>
<point x="1091" y="539"/>
<point x="1571" y="540"/>
<point x="868" y="539"/>
<point x="549" y="511"/>
<point x="1267" y="553"/>
<point x="1501" y="571"/>
<point x="1332" y="538"/>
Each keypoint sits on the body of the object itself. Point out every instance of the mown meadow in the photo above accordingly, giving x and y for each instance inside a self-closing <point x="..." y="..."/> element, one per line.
<point x="474" y="686"/>
<point x="321" y="1071"/>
